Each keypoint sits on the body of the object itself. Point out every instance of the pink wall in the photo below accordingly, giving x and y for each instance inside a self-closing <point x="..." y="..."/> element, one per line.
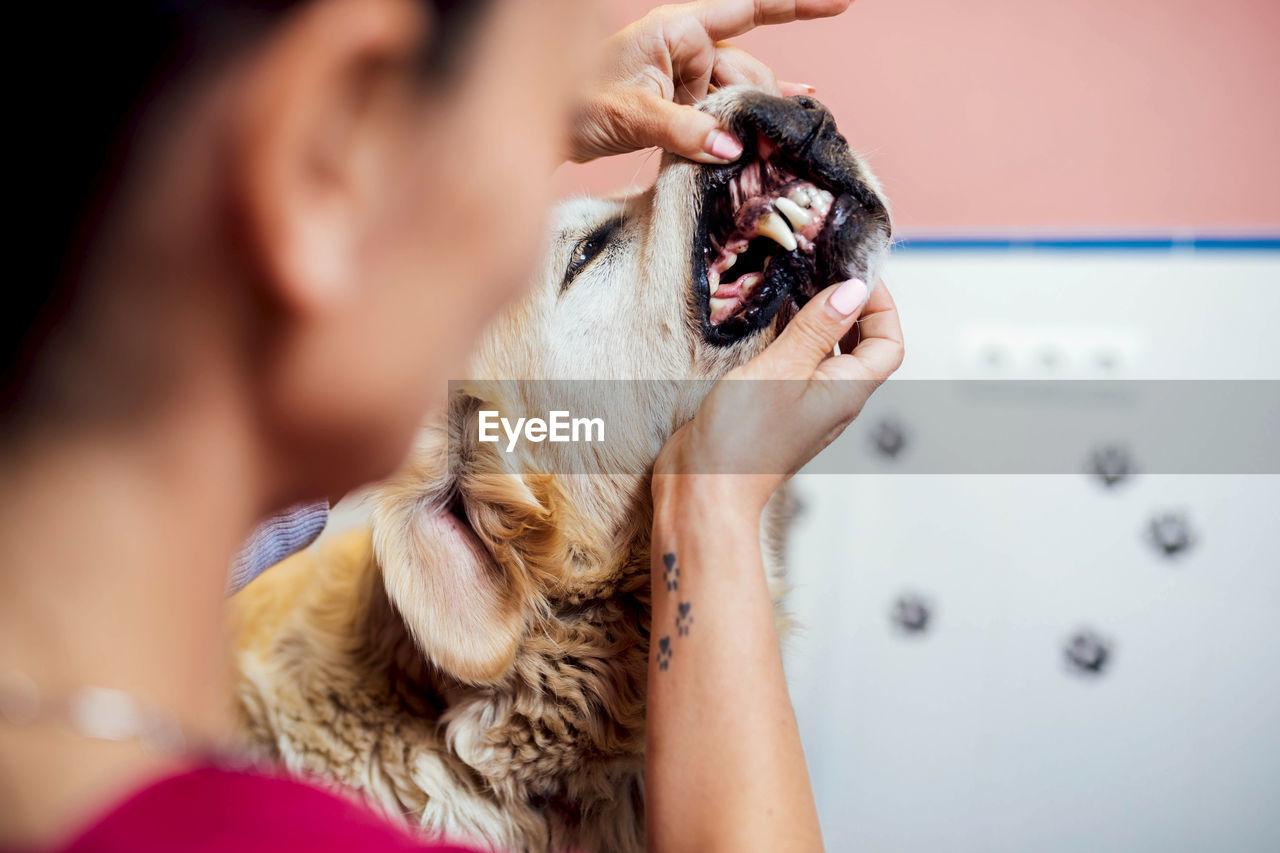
<point x="1068" y="114"/>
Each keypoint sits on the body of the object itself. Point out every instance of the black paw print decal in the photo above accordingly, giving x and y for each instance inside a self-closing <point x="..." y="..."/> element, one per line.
<point x="1170" y="533"/>
<point x="671" y="574"/>
<point x="684" y="621"/>
<point x="1112" y="465"/>
<point x="664" y="653"/>
<point x="889" y="438"/>
<point x="1087" y="652"/>
<point x="911" y="614"/>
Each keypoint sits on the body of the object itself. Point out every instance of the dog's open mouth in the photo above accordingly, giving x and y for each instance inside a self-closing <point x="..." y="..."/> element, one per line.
<point x="770" y="212"/>
<point x="786" y="221"/>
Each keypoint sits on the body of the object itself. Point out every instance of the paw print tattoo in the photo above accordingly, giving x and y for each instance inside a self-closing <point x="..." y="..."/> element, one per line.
<point x="684" y="621"/>
<point x="664" y="653"/>
<point x="671" y="574"/>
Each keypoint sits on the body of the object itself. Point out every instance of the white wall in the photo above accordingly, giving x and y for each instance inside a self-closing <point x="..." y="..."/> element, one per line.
<point x="975" y="735"/>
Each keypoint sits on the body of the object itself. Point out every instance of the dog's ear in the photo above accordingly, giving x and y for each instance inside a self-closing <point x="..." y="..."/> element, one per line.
<point x="463" y="544"/>
<point x="464" y="615"/>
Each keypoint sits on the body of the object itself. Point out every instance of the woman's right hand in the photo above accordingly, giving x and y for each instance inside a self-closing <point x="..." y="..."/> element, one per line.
<point x="764" y="430"/>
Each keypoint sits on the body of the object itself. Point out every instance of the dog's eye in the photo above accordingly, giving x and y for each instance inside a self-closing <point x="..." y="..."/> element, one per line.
<point x="587" y="250"/>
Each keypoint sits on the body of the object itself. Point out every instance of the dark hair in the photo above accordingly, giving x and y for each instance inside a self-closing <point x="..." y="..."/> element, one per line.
<point x="82" y="75"/>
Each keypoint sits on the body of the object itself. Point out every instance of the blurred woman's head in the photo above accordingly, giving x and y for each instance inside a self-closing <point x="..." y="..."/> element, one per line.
<point x="295" y="216"/>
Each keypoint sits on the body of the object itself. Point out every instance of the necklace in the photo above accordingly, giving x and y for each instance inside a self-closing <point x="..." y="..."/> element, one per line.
<point x="101" y="713"/>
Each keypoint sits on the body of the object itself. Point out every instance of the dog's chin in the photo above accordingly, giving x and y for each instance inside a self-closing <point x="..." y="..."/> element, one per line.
<point x="776" y="228"/>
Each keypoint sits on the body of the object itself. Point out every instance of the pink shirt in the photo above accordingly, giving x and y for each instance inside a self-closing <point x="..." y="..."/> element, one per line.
<point x="210" y="809"/>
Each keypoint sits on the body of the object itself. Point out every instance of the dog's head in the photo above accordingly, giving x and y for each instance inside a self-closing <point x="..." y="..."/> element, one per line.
<point x="684" y="281"/>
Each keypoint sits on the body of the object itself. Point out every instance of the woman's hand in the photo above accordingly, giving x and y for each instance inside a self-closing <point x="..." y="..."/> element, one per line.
<point x="657" y="67"/>
<point x="763" y="430"/>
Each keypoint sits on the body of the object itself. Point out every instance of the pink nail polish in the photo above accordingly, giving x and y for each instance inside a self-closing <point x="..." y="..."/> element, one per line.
<point x="848" y="297"/>
<point x="723" y="145"/>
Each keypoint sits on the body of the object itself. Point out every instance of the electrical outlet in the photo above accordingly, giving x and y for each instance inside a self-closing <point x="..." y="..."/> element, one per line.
<point x="1050" y="352"/>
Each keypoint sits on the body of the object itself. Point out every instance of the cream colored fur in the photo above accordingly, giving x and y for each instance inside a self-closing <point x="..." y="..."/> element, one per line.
<point x="485" y="679"/>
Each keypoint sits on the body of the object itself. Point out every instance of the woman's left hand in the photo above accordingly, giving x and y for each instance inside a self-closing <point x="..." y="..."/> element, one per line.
<point x="656" y="68"/>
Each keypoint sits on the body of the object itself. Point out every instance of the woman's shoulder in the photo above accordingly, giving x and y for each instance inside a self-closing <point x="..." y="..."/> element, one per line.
<point x="210" y="808"/>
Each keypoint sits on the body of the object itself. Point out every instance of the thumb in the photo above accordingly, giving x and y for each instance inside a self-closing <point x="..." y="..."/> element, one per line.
<point x="686" y="131"/>
<point x="825" y="319"/>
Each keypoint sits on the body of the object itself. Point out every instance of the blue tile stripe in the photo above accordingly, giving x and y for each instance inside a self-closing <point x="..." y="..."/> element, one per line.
<point x="1201" y="243"/>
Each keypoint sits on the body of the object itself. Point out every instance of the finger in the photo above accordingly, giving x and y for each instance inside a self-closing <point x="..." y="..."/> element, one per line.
<point x="880" y="351"/>
<point x="692" y="69"/>
<point x="811" y="334"/>
<point x="873" y="361"/>
<point x="724" y="19"/>
<point x="879" y="319"/>
<point x="734" y="66"/>
<point x="789" y="89"/>
<point x="681" y="130"/>
<point x="854" y="336"/>
<point x="691" y="53"/>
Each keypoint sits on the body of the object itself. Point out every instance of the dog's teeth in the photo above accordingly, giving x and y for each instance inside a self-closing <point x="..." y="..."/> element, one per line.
<point x="801" y="196"/>
<point x="717" y="304"/>
<point x="795" y="214"/>
<point x="730" y="259"/>
<point x="772" y="226"/>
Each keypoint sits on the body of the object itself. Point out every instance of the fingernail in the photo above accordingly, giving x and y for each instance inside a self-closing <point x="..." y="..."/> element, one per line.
<point x="848" y="297"/>
<point x="807" y="87"/>
<point x="723" y="145"/>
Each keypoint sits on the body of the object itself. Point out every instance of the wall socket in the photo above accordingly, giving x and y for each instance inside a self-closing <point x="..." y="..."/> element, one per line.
<point x="1050" y="352"/>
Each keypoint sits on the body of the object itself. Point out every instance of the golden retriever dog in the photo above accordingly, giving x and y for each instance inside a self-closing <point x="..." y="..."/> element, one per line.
<point x="475" y="662"/>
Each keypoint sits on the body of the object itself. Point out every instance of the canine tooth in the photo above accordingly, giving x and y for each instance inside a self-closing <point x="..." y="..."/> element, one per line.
<point x="717" y="304"/>
<point x="730" y="259"/>
<point x="772" y="226"/>
<point x="795" y="214"/>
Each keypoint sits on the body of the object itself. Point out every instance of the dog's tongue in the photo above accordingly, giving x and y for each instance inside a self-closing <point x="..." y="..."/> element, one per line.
<point x="729" y="296"/>
<point x="742" y="284"/>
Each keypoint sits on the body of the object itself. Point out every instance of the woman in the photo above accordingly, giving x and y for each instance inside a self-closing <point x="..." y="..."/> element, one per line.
<point x="272" y="231"/>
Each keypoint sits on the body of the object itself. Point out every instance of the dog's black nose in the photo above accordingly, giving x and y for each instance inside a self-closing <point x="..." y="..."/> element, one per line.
<point x="811" y="105"/>
<point x="793" y="124"/>
<point x="807" y="142"/>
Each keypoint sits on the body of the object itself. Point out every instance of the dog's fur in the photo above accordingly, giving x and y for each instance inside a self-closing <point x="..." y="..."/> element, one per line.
<point x="477" y="661"/>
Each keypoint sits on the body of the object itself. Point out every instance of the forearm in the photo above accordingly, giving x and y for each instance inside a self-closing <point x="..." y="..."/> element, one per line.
<point x="724" y="768"/>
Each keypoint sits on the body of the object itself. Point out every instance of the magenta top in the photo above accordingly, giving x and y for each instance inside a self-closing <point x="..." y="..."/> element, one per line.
<point x="211" y="809"/>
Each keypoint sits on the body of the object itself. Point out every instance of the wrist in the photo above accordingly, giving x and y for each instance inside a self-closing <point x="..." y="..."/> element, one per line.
<point x="723" y="504"/>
